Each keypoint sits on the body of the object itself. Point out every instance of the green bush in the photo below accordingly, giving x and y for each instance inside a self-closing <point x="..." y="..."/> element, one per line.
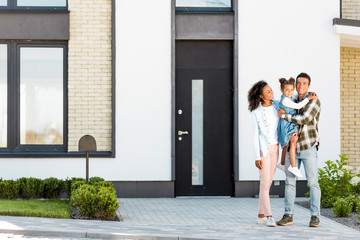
<point x="9" y="189"/>
<point x="53" y="187"/>
<point x="97" y="201"/>
<point x="334" y="181"/>
<point x="31" y="188"/>
<point x="96" y="181"/>
<point x="342" y="208"/>
<point x="354" y="201"/>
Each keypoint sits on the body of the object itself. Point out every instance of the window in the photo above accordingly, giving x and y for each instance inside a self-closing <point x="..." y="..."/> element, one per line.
<point x="33" y="4"/>
<point x="204" y="5"/>
<point x="36" y="111"/>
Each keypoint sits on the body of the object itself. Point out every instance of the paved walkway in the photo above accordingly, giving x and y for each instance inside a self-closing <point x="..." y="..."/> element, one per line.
<point x="183" y="218"/>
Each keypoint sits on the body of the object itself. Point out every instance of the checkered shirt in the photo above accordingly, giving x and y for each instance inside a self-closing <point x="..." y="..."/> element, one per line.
<point x="307" y="119"/>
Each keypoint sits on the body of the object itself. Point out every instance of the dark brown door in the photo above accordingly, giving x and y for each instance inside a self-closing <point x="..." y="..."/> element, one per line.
<point x="204" y="118"/>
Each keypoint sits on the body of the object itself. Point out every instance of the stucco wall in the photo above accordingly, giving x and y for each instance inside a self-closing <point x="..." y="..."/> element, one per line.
<point x="294" y="37"/>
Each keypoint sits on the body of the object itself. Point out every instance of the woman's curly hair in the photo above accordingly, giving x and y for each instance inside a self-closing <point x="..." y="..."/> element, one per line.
<point x="254" y="94"/>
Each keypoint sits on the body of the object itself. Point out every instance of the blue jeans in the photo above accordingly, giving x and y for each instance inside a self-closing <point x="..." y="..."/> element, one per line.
<point x="309" y="158"/>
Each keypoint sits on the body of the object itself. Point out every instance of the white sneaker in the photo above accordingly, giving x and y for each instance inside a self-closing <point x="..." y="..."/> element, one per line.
<point x="295" y="171"/>
<point x="270" y="222"/>
<point x="262" y="220"/>
<point x="281" y="167"/>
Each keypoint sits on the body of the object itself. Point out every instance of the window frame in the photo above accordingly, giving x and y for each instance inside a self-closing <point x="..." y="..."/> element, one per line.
<point x="13" y="118"/>
<point x="12" y="6"/>
<point x="205" y="9"/>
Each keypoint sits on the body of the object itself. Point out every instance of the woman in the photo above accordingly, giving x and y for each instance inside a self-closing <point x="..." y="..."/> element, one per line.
<point x="264" y="111"/>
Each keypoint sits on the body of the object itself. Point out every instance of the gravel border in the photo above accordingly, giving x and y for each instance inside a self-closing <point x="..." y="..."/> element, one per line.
<point x="352" y="221"/>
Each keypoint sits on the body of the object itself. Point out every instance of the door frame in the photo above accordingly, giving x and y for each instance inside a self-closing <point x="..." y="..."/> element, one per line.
<point x="234" y="38"/>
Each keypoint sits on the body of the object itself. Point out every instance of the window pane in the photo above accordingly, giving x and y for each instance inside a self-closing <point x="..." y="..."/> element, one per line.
<point x="3" y="2"/>
<point x="41" y="95"/>
<point x="204" y="3"/>
<point x="197" y="98"/>
<point x="41" y="3"/>
<point x="3" y="95"/>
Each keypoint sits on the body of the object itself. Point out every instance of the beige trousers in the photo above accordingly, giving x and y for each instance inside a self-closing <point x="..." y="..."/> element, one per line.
<point x="266" y="177"/>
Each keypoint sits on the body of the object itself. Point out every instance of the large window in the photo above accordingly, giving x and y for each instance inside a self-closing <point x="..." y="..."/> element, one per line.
<point x="33" y="4"/>
<point x="204" y="5"/>
<point x="36" y="113"/>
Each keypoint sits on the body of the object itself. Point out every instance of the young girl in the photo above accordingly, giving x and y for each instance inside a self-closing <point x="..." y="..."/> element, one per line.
<point x="287" y="128"/>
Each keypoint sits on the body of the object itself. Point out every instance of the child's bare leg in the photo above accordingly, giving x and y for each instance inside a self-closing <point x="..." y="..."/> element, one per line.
<point x="283" y="154"/>
<point x="292" y="153"/>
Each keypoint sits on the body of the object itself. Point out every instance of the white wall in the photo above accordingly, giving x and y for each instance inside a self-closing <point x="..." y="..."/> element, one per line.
<point x="281" y="39"/>
<point x="143" y="103"/>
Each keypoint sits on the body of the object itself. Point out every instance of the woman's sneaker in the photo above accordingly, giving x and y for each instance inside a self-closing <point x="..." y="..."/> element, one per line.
<point x="262" y="220"/>
<point x="295" y="171"/>
<point x="270" y="222"/>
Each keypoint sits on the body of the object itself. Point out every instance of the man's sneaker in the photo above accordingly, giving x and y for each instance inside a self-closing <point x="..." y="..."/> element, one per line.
<point x="314" y="221"/>
<point x="281" y="167"/>
<point x="270" y="222"/>
<point x="286" y="220"/>
<point x="295" y="171"/>
<point x="262" y="220"/>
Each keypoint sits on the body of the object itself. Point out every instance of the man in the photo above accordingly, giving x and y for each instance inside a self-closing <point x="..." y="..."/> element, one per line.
<point x="306" y="153"/>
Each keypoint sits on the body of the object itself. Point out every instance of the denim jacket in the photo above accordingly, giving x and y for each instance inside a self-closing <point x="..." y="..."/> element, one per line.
<point x="261" y="139"/>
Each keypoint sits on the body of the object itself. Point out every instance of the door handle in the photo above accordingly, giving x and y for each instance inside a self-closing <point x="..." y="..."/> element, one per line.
<point x="183" y="133"/>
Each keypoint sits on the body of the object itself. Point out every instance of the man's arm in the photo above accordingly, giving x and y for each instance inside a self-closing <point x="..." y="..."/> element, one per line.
<point x="307" y="116"/>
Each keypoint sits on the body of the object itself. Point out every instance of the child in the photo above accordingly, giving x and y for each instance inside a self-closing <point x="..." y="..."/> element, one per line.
<point x="286" y="128"/>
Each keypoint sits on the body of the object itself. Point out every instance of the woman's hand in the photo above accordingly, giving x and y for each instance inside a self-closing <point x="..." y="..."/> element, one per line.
<point x="258" y="164"/>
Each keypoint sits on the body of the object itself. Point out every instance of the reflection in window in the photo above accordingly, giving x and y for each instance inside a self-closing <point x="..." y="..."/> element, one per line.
<point x="3" y="2"/>
<point x="3" y="95"/>
<point x="204" y="3"/>
<point x="41" y="95"/>
<point x="41" y="3"/>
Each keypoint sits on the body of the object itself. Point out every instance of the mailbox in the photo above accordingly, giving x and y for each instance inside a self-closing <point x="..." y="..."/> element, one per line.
<point x="87" y="143"/>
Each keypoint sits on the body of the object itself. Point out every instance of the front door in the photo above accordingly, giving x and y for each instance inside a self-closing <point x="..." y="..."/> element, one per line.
<point x="204" y="118"/>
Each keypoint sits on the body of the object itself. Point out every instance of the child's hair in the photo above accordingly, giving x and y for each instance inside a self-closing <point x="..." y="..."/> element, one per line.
<point x="284" y="82"/>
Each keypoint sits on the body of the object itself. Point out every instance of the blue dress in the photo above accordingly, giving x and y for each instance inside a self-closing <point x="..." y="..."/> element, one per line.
<point x="285" y="128"/>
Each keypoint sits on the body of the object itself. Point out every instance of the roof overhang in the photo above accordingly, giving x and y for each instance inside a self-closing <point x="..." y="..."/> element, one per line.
<point x="349" y="31"/>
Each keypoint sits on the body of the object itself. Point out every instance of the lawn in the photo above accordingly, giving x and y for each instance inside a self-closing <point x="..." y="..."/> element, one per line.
<point x="36" y="208"/>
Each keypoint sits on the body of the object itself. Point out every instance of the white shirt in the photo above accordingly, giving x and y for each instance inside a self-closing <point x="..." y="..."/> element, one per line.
<point x="271" y="120"/>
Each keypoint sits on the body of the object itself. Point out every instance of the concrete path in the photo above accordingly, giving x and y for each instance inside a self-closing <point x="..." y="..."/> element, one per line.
<point x="183" y="218"/>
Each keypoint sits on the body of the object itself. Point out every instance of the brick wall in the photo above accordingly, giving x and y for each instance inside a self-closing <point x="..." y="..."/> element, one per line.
<point x="89" y="78"/>
<point x="350" y="104"/>
<point x="351" y="9"/>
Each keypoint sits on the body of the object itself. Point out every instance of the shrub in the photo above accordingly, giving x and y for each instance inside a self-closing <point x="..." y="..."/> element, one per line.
<point x="97" y="201"/>
<point x="342" y="208"/>
<point x="96" y="181"/>
<point x="31" y="187"/>
<point x="334" y="181"/>
<point x="9" y="189"/>
<point x="69" y="184"/>
<point x="53" y="187"/>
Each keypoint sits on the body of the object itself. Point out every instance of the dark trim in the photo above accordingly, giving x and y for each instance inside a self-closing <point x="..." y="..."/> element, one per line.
<point x="105" y="154"/>
<point x="173" y="109"/>
<point x="35" y="26"/>
<point x="346" y="22"/>
<point x="113" y="78"/>
<point x="236" y="95"/>
<point x="251" y="188"/>
<point x="340" y="8"/>
<point x="144" y="189"/>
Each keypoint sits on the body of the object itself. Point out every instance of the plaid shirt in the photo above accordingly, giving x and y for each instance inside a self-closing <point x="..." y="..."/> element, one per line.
<point x="307" y="119"/>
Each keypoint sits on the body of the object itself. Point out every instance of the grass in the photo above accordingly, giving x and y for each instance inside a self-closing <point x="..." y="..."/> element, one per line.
<point x="36" y="208"/>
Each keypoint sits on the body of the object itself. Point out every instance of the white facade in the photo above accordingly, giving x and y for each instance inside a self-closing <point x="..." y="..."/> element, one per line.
<point x="275" y="39"/>
<point x="281" y="39"/>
